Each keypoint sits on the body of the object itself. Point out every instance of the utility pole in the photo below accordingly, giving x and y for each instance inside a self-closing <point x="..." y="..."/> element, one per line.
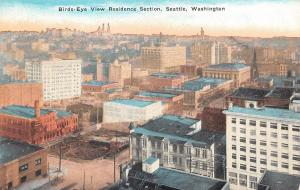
<point x="83" y="180"/>
<point x="190" y="160"/>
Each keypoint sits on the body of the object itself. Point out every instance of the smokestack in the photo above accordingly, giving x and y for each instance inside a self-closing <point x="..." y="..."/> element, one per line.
<point x="37" y="109"/>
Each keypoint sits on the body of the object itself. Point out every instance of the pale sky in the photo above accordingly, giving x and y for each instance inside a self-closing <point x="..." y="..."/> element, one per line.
<point x="264" y="18"/>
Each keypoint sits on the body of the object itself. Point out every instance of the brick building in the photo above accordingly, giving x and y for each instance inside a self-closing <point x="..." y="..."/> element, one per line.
<point x="35" y="125"/>
<point x="20" y="162"/>
<point x="20" y="93"/>
<point x="99" y="86"/>
<point x="213" y="119"/>
<point x="172" y="102"/>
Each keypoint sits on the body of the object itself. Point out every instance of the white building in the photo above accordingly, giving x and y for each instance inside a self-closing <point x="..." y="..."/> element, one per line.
<point x="260" y="139"/>
<point x="180" y="143"/>
<point x="130" y="110"/>
<point x="61" y="79"/>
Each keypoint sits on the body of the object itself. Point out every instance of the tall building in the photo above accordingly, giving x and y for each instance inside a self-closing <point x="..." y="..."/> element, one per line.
<point x="260" y="139"/>
<point x="180" y="143"/>
<point x="163" y="59"/>
<point x="130" y="110"/>
<point x="210" y="53"/>
<point x="23" y="93"/>
<point x="99" y="70"/>
<point x="20" y="162"/>
<point x="119" y="71"/>
<point x="61" y="79"/>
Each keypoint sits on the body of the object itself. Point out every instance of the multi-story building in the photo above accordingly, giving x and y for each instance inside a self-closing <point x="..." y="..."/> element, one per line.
<point x="238" y="72"/>
<point x="35" y="125"/>
<point x="21" y="93"/>
<point x="61" y="79"/>
<point x="130" y="110"/>
<point x="179" y="143"/>
<point x="172" y="102"/>
<point x="99" y="86"/>
<point x="20" y="162"/>
<point x="211" y="53"/>
<point x="259" y="139"/>
<point x="163" y="58"/>
<point x="119" y="72"/>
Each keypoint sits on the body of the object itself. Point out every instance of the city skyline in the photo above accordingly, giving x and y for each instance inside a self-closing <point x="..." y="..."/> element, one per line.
<point x="255" y="19"/>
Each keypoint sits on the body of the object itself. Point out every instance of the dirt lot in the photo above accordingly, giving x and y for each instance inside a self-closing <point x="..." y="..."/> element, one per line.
<point x="98" y="173"/>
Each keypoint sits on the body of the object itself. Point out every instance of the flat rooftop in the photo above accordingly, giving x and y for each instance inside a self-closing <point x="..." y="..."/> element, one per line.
<point x="176" y="128"/>
<point x="28" y="112"/>
<point x="133" y="102"/>
<point x="281" y="93"/>
<point x="173" y="179"/>
<point x="166" y="75"/>
<point x="157" y="94"/>
<point x="12" y="150"/>
<point x="200" y="83"/>
<point x="96" y="83"/>
<point x="279" y="181"/>
<point x="250" y="93"/>
<point x="227" y="67"/>
<point x="266" y="112"/>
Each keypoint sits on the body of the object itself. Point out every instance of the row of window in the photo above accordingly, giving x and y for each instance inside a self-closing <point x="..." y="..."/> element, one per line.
<point x="24" y="167"/>
<point x="264" y="124"/>
<point x="243" y="180"/>
<point x="295" y="138"/>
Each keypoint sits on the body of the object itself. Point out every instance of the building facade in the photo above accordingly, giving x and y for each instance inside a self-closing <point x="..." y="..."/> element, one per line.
<point x="130" y="110"/>
<point x="238" y="72"/>
<point x="178" y="143"/>
<point x="99" y="86"/>
<point x="24" y="94"/>
<point x="119" y="72"/>
<point x="260" y="139"/>
<point x="61" y="79"/>
<point x="34" y="125"/>
<point x="163" y="58"/>
<point x="20" y="162"/>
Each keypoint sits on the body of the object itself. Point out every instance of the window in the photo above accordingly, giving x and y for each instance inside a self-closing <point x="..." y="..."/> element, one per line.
<point x="253" y="159"/>
<point x="181" y="149"/>
<point x="253" y="168"/>
<point x="233" y="178"/>
<point x="296" y="167"/>
<point x="233" y="120"/>
<point x="233" y="138"/>
<point x="153" y="144"/>
<point x="23" y="168"/>
<point x="233" y="156"/>
<point x="262" y="170"/>
<point x="166" y="147"/>
<point x="175" y="160"/>
<point x="296" y="128"/>
<point x="273" y="125"/>
<point x="38" y="161"/>
<point x="197" y="152"/>
<point x="285" y="136"/>
<point x="284" y="165"/>
<point x="296" y="138"/>
<point x="263" y="161"/>
<point x="263" y="133"/>
<point x="252" y="123"/>
<point x="243" y="180"/>
<point x="284" y="127"/>
<point x="274" y="135"/>
<point x="274" y="144"/>
<point x="263" y="124"/>
<point x="252" y="141"/>
<point x="233" y="147"/>
<point x="253" y="150"/>
<point x="174" y="148"/>
<point x="243" y="139"/>
<point x="166" y="159"/>
<point x="242" y="121"/>
<point x="243" y="157"/>
<point x="284" y="145"/>
<point x="284" y="156"/>
<point x="263" y="152"/>
<point x="188" y="150"/>
<point x="263" y="143"/>
<point x="242" y="130"/>
<point x="243" y="167"/>
<point x="253" y="182"/>
<point x="252" y="132"/>
<point x="23" y="179"/>
<point x="273" y="154"/>
<point x="38" y="172"/>
<point x="296" y="157"/>
<point x="233" y="164"/>
<point x="274" y="163"/>
<point x="204" y="153"/>
<point x="243" y="148"/>
<point x="296" y="147"/>
<point x="234" y="129"/>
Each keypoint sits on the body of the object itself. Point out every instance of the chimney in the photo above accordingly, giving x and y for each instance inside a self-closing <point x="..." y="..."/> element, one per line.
<point x="37" y="109"/>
